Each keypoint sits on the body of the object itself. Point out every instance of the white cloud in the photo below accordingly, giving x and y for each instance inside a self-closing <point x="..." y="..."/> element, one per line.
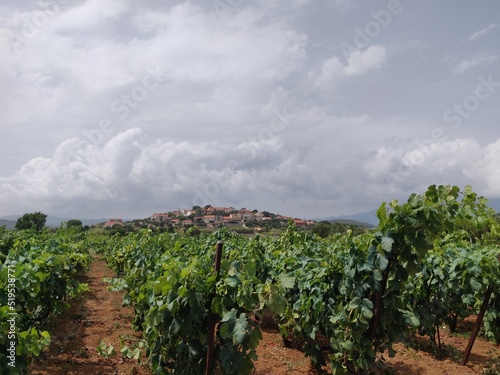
<point x="88" y="15"/>
<point x="221" y="73"/>
<point x="482" y="32"/>
<point x="358" y="63"/>
<point x="479" y="59"/>
<point x="255" y="108"/>
<point x="460" y="162"/>
<point x="209" y="58"/>
<point x="122" y="172"/>
<point x="332" y="69"/>
<point x="129" y="176"/>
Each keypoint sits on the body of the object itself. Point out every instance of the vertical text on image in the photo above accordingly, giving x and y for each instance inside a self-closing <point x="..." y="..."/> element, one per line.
<point x="11" y="303"/>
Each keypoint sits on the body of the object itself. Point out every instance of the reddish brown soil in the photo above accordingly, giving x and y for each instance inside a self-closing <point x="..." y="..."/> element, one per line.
<point x="419" y="356"/>
<point x="98" y="315"/>
<point x="416" y="357"/>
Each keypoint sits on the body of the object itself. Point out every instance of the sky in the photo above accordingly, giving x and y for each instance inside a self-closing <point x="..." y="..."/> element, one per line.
<point x="304" y="108"/>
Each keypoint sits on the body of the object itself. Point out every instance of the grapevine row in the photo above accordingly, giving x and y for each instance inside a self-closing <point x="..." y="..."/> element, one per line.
<point x="358" y="294"/>
<point x="37" y="278"/>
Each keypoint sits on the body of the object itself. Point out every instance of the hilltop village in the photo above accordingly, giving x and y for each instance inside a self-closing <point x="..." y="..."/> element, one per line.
<point x="224" y="216"/>
<point x="214" y="217"/>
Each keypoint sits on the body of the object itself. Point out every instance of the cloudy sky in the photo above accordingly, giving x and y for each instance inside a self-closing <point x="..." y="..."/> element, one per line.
<point x="299" y="107"/>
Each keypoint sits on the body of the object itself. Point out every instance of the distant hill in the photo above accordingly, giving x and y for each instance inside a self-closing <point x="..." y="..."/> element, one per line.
<point x="494" y="203"/>
<point x="55" y="222"/>
<point x="353" y="222"/>
<point x="9" y="224"/>
<point x="52" y="221"/>
<point x="364" y="218"/>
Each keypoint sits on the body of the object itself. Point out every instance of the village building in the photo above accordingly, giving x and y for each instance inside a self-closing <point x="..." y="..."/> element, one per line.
<point x="113" y="221"/>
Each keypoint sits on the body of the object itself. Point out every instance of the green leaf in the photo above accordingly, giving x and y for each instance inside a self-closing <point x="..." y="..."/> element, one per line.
<point x="350" y="272"/>
<point x="239" y="332"/>
<point x="224" y="331"/>
<point x="276" y="302"/>
<point x="230" y="315"/>
<point x="250" y="268"/>
<point x="386" y="244"/>
<point x="232" y="281"/>
<point x="382" y="262"/>
<point x="126" y="352"/>
<point x="136" y="354"/>
<point x="368" y="303"/>
<point x="367" y="313"/>
<point x="412" y="320"/>
<point x="382" y="214"/>
<point x="354" y="304"/>
<point x="287" y="281"/>
<point x="255" y="337"/>
<point x="475" y="285"/>
<point x="348" y="345"/>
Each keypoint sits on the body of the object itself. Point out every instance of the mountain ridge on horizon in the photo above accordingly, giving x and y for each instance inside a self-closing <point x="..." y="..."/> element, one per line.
<point x="368" y="217"/>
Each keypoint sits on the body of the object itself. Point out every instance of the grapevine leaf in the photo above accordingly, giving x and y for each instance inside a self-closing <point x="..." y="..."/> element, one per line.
<point x="368" y="303"/>
<point x="255" y="337"/>
<point x="287" y="281"/>
<point x="239" y="331"/>
<point x="354" y="304"/>
<point x="277" y="303"/>
<point x="367" y="313"/>
<point x="475" y="285"/>
<point x="232" y="281"/>
<point x="382" y="262"/>
<point x="387" y="244"/>
<point x="230" y="315"/>
<point x="348" y="345"/>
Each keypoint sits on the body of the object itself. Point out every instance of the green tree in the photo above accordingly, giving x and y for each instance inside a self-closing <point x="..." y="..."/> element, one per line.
<point x="322" y="229"/>
<point x="74" y="223"/>
<point x="34" y="220"/>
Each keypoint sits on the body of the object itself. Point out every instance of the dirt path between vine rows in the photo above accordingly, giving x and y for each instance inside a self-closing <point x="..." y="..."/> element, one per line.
<point x="98" y="316"/>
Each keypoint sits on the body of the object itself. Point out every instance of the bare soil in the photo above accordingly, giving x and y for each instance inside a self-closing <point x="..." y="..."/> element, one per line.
<point x="99" y="315"/>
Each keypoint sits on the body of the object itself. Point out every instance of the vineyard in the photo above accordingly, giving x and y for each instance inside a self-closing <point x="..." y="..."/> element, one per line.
<point x="342" y="300"/>
<point x="37" y="279"/>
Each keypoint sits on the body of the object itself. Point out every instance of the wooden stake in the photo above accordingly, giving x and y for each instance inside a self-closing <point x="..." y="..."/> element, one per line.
<point x="479" y="320"/>
<point x="212" y="319"/>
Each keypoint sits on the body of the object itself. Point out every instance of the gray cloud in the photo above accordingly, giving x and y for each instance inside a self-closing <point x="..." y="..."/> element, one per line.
<point x="124" y="172"/>
<point x="120" y="108"/>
